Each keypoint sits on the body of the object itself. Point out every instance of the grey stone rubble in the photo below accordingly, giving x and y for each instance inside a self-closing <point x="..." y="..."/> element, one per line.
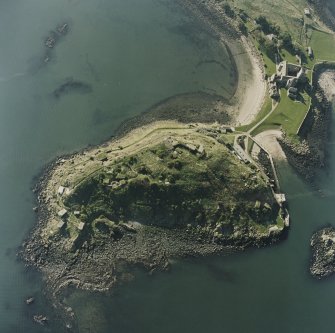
<point x="323" y="253"/>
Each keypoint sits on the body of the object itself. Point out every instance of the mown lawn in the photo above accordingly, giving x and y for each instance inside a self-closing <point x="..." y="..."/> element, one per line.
<point x="289" y="114"/>
<point x="323" y="45"/>
<point x="288" y="56"/>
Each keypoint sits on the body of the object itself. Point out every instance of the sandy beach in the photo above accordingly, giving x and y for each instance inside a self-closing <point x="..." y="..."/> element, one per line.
<point x="252" y="86"/>
<point x="269" y="141"/>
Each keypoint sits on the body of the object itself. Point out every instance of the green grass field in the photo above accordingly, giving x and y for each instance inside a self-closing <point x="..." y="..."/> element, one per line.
<point x="286" y="14"/>
<point x="288" y="115"/>
<point x="323" y="45"/>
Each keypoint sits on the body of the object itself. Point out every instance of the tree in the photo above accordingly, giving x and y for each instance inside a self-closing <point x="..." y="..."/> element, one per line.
<point x="263" y="22"/>
<point x="269" y="48"/>
<point x="266" y="26"/>
<point x="243" y="15"/>
<point x="228" y="10"/>
<point x="243" y="28"/>
<point x="286" y="40"/>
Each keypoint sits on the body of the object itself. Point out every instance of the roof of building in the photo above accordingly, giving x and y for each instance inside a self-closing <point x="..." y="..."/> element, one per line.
<point x="287" y="70"/>
<point x="201" y="149"/>
<point x="60" y="224"/>
<point x="280" y="197"/>
<point x="292" y="90"/>
<point x="106" y="181"/>
<point x="60" y="190"/>
<point x="81" y="225"/>
<point x="241" y="153"/>
<point x="62" y="212"/>
<point x="257" y="204"/>
<point x="307" y="11"/>
<point x="273" y="229"/>
<point x="271" y="36"/>
<point x="301" y="73"/>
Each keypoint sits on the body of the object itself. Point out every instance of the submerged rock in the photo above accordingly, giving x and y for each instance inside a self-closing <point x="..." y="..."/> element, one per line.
<point x="30" y="300"/>
<point x="63" y="28"/>
<point x="40" y="319"/>
<point x="323" y="253"/>
<point x="50" y="42"/>
<point x="72" y="86"/>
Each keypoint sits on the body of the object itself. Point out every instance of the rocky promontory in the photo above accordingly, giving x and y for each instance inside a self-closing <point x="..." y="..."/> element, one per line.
<point x="307" y="154"/>
<point x="323" y="253"/>
<point x="163" y="191"/>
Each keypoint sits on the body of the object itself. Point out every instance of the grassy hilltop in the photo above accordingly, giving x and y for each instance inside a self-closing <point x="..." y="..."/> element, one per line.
<point x="182" y="178"/>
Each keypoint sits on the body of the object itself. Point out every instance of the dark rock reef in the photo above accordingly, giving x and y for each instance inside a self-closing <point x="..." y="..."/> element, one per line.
<point x="323" y="253"/>
<point x="185" y="108"/>
<point x="72" y="86"/>
<point x="53" y="38"/>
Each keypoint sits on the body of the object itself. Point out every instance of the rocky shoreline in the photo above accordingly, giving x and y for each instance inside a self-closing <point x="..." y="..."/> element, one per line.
<point x="310" y="154"/>
<point x="322" y="263"/>
<point x="101" y="265"/>
<point x="180" y="243"/>
<point x="184" y="108"/>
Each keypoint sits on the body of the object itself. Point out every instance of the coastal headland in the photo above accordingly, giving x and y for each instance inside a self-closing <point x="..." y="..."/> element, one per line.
<point x="192" y="183"/>
<point x="162" y="191"/>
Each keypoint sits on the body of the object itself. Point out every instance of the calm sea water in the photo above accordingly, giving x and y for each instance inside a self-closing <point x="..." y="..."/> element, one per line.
<point x="332" y="5"/>
<point x="133" y="54"/>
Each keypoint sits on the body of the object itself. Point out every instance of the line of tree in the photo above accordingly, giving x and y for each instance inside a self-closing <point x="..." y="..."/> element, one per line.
<point x="266" y="26"/>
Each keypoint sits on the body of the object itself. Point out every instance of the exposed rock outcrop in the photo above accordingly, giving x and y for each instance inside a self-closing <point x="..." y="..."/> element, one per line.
<point x="323" y="253"/>
<point x="308" y="154"/>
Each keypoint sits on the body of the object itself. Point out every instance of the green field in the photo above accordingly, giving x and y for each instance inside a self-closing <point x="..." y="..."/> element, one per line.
<point x="288" y="115"/>
<point x="286" y="14"/>
<point x="323" y="45"/>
